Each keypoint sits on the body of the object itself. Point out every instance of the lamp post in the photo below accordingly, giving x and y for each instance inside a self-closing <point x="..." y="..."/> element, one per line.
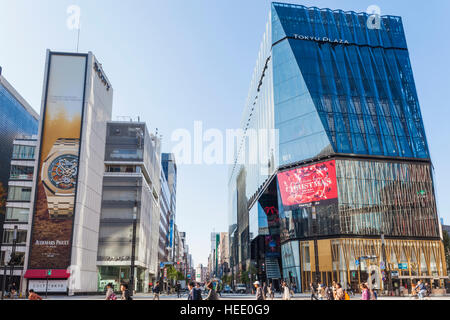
<point x="133" y="249"/>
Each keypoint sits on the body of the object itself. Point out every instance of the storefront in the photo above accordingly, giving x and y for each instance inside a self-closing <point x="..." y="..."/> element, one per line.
<point x="51" y="281"/>
<point x="354" y="261"/>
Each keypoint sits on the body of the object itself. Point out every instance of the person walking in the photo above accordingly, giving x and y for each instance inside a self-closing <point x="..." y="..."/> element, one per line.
<point x="270" y="292"/>
<point x="265" y="291"/>
<point x="156" y="291"/>
<point x="321" y="293"/>
<point x="198" y="292"/>
<point x="420" y="289"/>
<point x="340" y="293"/>
<point x="365" y="292"/>
<point x="212" y="294"/>
<point x="33" y="295"/>
<point x="110" y="295"/>
<point x="125" y="292"/>
<point x="178" y="290"/>
<point x="258" y="291"/>
<point x="191" y="291"/>
<point x="286" y="291"/>
<point x="313" y="289"/>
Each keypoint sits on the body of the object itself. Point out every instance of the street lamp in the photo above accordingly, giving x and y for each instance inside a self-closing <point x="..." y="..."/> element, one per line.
<point x="133" y="249"/>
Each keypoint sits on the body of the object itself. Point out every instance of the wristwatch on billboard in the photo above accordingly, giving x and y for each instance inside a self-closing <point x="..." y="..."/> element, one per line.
<point x="59" y="176"/>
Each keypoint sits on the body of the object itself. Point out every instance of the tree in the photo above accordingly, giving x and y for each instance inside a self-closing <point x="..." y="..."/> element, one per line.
<point x="3" y="194"/>
<point x="447" y="248"/>
<point x="244" y="277"/>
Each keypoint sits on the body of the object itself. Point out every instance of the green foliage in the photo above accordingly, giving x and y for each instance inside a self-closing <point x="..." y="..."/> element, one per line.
<point x="244" y="277"/>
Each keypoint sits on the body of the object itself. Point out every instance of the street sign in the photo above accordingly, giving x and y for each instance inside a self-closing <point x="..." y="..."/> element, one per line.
<point x="165" y="273"/>
<point x="403" y="266"/>
<point x="49" y="273"/>
<point x="357" y="262"/>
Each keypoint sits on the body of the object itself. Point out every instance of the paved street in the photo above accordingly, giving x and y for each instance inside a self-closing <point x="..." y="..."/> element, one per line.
<point x="236" y="297"/>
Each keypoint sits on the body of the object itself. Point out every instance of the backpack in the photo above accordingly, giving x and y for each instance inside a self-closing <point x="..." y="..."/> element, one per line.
<point x="347" y="297"/>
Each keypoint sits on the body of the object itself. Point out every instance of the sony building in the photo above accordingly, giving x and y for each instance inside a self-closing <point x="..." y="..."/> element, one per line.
<point x="63" y="242"/>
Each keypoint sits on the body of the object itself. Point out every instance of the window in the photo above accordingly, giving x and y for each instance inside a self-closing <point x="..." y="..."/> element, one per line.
<point x="123" y="169"/>
<point x="9" y="234"/>
<point x="21" y="173"/>
<point x="18" y="259"/>
<point x="23" y="152"/>
<point x="19" y="193"/>
<point x="17" y="214"/>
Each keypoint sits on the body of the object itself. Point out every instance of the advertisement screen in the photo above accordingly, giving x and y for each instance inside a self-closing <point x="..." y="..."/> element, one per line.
<point x="315" y="184"/>
<point x="57" y="175"/>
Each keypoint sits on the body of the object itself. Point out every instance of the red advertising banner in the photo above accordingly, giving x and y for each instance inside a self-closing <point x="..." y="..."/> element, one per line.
<point x="311" y="184"/>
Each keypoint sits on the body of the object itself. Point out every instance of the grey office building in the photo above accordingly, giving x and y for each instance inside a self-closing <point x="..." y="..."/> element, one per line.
<point x="130" y="214"/>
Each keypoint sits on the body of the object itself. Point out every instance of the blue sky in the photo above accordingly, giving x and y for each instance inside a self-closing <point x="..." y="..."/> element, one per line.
<point x="173" y="62"/>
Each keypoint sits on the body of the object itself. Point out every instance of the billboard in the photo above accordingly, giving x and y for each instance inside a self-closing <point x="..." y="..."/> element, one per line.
<point x="57" y="174"/>
<point x="312" y="185"/>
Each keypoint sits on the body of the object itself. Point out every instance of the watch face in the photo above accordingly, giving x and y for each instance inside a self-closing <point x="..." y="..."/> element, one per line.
<point x="63" y="172"/>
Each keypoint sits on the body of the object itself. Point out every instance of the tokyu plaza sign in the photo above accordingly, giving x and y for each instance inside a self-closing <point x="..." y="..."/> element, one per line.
<point x="320" y="39"/>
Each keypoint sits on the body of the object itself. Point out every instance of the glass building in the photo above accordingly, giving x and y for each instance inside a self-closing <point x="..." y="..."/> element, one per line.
<point x="343" y="159"/>
<point x="17" y="119"/>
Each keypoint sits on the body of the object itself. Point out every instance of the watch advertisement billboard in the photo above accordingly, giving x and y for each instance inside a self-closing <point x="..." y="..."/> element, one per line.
<point x="57" y="174"/>
<point x="311" y="185"/>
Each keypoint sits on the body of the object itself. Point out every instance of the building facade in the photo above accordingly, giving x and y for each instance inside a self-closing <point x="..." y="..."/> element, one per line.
<point x="130" y="216"/>
<point x="17" y="118"/>
<point x="18" y="210"/>
<point x="345" y="162"/>
<point x="76" y="104"/>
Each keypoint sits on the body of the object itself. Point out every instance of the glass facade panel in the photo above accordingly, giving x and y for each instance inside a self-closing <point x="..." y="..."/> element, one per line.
<point x="8" y="237"/>
<point x="21" y="173"/>
<point x="17" y="214"/>
<point x="14" y="120"/>
<point x="374" y="198"/>
<point x="19" y="193"/>
<point x="23" y="152"/>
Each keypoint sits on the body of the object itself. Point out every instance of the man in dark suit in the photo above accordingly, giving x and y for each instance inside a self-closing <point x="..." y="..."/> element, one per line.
<point x="191" y="291"/>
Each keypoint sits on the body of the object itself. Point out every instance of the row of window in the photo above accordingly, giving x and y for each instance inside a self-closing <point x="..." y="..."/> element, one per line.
<point x="23" y="152"/>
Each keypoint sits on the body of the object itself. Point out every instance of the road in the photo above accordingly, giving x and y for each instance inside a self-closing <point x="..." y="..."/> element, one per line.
<point x="233" y="297"/>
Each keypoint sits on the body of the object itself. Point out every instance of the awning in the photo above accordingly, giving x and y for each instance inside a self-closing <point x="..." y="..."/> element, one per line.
<point x="43" y="274"/>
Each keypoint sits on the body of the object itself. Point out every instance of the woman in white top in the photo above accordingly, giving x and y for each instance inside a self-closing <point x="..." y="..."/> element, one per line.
<point x="286" y="292"/>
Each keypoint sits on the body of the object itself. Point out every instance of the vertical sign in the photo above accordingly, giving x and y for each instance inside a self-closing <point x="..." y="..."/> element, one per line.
<point x="57" y="176"/>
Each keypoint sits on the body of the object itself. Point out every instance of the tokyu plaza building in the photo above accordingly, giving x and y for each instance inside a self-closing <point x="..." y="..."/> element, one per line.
<point x="345" y="192"/>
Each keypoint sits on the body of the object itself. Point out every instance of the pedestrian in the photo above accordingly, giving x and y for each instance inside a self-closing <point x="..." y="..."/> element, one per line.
<point x="219" y="289"/>
<point x="365" y="292"/>
<point x="12" y="290"/>
<point x="429" y="290"/>
<point x="420" y="289"/>
<point x="321" y="292"/>
<point x="270" y="292"/>
<point x="156" y="291"/>
<point x="125" y="292"/>
<point x="178" y="290"/>
<point x="333" y="286"/>
<point x="198" y="292"/>
<point x="33" y="295"/>
<point x="286" y="291"/>
<point x="259" y="291"/>
<point x="313" y="289"/>
<point x="330" y="293"/>
<point x="265" y="291"/>
<point x="340" y="293"/>
<point x="191" y="286"/>
<point x="212" y="294"/>
<point x="110" y="295"/>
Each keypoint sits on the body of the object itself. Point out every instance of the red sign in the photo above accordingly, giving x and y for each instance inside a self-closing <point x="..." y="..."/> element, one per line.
<point x="310" y="184"/>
